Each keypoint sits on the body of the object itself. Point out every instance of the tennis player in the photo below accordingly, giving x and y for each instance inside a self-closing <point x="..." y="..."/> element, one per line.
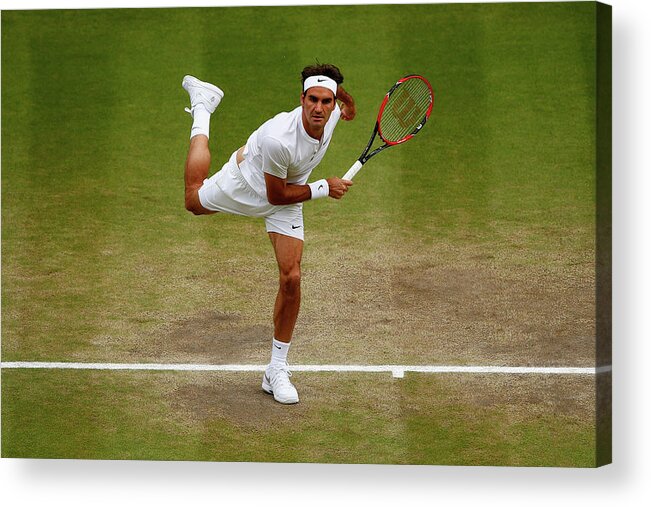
<point x="268" y="178"/>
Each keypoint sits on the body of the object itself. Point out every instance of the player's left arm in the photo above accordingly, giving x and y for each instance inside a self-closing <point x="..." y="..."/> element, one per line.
<point x="348" y="110"/>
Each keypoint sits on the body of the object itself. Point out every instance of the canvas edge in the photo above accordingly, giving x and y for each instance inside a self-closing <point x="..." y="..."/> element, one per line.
<point x="603" y="381"/>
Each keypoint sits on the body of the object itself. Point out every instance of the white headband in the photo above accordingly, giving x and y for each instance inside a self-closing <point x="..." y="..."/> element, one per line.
<point x="323" y="81"/>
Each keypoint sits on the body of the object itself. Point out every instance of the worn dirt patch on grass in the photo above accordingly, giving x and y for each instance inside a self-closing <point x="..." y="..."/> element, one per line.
<point x="396" y="304"/>
<point x="212" y="337"/>
<point x="523" y="396"/>
<point x="521" y="316"/>
<point x="445" y="304"/>
<point x="238" y="398"/>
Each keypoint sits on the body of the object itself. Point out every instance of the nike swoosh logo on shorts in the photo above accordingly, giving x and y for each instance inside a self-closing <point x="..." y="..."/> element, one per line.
<point x="296" y="226"/>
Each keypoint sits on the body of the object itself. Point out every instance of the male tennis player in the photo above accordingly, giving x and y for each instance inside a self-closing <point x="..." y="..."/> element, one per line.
<point x="267" y="177"/>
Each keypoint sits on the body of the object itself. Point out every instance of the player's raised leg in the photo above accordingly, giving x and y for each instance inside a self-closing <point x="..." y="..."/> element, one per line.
<point x="197" y="166"/>
<point x="204" y="99"/>
<point x="289" y="252"/>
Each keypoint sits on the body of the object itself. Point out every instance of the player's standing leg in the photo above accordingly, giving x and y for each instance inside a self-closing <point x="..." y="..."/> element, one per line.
<point x="289" y="252"/>
<point x="204" y="99"/>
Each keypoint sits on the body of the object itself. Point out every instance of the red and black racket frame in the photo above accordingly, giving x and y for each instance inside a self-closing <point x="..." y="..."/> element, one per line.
<point x="365" y="156"/>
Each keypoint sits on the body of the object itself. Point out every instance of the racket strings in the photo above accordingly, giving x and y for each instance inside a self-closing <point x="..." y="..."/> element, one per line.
<point x="405" y="110"/>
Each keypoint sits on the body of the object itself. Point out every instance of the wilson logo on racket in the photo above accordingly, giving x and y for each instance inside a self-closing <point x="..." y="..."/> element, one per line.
<point x="406" y="110"/>
<point x="403" y="113"/>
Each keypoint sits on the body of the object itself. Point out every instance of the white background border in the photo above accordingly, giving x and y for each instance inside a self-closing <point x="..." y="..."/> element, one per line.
<point x="104" y="483"/>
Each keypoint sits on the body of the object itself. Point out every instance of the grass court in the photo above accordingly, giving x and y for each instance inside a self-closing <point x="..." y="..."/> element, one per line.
<point x="472" y="244"/>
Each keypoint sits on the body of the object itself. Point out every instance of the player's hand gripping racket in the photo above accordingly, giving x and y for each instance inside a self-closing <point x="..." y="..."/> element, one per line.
<point x="404" y="110"/>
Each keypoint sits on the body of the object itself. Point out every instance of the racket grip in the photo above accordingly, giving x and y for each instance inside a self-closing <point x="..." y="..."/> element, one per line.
<point x="352" y="171"/>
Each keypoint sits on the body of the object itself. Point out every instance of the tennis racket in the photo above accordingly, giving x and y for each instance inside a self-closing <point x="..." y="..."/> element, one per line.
<point x="404" y="110"/>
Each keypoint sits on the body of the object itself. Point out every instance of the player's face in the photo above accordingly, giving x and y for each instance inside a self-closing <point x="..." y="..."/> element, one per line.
<point x="318" y="104"/>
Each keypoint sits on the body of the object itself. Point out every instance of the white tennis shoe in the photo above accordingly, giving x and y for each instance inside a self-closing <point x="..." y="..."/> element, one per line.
<point x="276" y="381"/>
<point x="202" y="93"/>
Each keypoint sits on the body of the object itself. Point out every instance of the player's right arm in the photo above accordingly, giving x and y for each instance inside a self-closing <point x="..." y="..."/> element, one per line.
<point x="279" y="192"/>
<point x="275" y="161"/>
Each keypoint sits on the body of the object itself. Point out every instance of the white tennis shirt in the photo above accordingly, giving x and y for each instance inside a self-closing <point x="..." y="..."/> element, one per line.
<point x="283" y="148"/>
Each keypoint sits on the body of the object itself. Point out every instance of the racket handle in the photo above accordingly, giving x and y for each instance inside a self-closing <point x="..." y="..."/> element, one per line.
<point x="352" y="171"/>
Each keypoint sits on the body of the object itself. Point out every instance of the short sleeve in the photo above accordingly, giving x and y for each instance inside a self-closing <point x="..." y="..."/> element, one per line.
<point x="275" y="157"/>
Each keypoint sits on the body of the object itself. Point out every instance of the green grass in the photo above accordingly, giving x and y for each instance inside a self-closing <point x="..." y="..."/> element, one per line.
<point x="100" y="261"/>
<point x="95" y="415"/>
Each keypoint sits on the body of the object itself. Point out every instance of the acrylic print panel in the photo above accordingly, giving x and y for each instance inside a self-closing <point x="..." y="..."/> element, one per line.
<point x="455" y="302"/>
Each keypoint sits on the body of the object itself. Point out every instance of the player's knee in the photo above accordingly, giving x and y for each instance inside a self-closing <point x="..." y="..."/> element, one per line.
<point x="290" y="281"/>
<point x="191" y="207"/>
<point x="192" y="203"/>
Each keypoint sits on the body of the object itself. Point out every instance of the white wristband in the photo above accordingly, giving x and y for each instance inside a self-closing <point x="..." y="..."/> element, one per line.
<point x="319" y="189"/>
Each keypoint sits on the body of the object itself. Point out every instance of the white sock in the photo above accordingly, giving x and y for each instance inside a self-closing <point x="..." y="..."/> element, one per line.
<point x="201" y="123"/>
<point x="279" y="353"/>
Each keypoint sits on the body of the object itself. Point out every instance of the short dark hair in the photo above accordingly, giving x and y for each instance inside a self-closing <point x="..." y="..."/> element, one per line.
<point x="322" y="69"/>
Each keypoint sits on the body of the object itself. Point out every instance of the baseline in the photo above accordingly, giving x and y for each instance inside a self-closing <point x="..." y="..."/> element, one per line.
<point x="398" y="371"/>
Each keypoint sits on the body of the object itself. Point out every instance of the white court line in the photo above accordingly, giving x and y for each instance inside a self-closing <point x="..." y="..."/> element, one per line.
<point x="398" y="371"/>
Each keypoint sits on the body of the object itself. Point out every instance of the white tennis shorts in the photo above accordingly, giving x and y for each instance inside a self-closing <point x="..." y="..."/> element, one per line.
<point x="227" y="191"/>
